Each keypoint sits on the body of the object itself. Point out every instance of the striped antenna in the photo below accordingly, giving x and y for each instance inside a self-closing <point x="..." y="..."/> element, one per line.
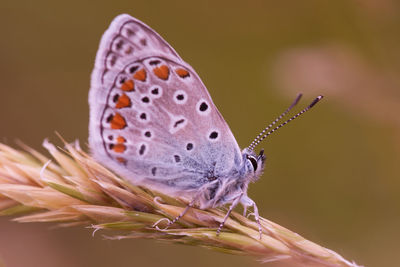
<point x="252" y="145"/>
<point x="262" y="136"/>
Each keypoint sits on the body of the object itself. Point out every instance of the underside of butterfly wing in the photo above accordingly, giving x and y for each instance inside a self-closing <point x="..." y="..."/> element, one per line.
<point x="151" y="118"/>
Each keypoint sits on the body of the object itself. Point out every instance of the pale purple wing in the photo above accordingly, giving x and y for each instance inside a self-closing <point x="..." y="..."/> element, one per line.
<point x="151" y="118"/>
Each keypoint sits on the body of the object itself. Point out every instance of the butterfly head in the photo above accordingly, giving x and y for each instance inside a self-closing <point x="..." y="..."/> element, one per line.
<point x="226" y="188"/>
<point x="254" y="164"/>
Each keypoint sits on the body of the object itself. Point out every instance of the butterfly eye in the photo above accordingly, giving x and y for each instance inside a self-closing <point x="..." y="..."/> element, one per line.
<point x="253" y="162"/>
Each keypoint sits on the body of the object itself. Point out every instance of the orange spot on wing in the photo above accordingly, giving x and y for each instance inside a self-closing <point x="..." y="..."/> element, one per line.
<point x="117" y="122"/>
<point x="123" y="101"/>
<point x="161" y="72"/>
<point x="140" y="75"/>
<point x="182" y="73"/>
<point x="119" y="148"/>
<point x="121" y="139"/>
<point x="129" y="50"/>
<point x="128" y="85"/>
<point x="122" y="160"/>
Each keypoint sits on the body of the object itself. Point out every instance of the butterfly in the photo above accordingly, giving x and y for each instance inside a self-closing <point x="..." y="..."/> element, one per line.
<point x="153" y="122"/>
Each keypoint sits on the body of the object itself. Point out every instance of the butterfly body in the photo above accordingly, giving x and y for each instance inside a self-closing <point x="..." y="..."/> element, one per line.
<point x="154" y="123"/>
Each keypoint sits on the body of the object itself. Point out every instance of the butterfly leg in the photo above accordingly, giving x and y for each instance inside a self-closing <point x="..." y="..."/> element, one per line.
<point x="183" y="213"/>
<point x="233" y="205"/>
<point x="244" y="211"/>
<point x="246" y="201"/>
<point x="257" y="218"/>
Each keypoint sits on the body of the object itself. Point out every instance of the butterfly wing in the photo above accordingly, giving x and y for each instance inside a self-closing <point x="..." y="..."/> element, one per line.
<point x="151" y="118"/>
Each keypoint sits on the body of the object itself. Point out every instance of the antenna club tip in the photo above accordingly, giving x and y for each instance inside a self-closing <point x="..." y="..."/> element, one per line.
<point x="296" y="100"/>
<point x="315" y="101"/>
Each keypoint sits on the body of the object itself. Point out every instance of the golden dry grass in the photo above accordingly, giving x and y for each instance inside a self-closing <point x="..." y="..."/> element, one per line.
<point x="73" y="189"/>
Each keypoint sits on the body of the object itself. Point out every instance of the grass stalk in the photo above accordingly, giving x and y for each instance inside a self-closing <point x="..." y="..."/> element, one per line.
<point x="70" y="188"/>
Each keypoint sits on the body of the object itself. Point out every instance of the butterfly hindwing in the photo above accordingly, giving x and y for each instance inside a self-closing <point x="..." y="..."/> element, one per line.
<point x="152" y="119"/>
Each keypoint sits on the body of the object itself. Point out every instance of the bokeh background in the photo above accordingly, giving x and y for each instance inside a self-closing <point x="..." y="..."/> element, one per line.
<point x="332" y="176"/>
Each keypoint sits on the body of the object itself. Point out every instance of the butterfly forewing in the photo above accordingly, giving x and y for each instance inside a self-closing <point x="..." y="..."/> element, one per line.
<point x="152" y="119"/>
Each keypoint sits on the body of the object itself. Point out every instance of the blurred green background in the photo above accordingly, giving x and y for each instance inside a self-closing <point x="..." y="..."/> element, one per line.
<point x="332" y="176"/>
